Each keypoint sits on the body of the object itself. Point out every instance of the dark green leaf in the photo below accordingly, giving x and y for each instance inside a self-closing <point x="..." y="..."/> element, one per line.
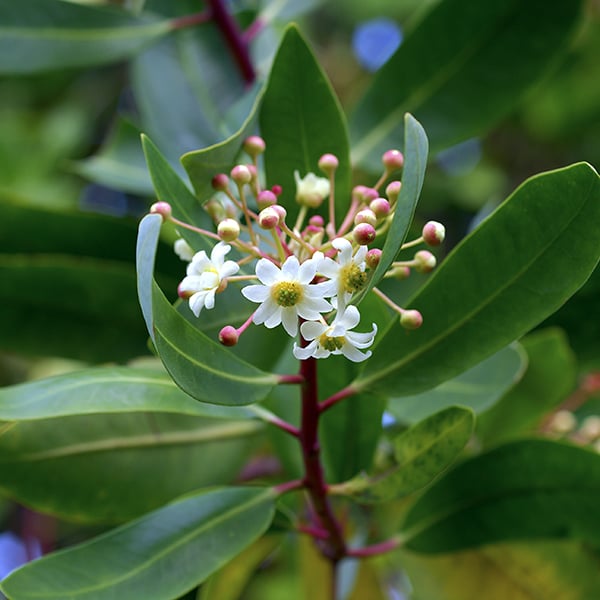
<point x="421" y="454"/>
<point x="300" y="120"/>
<point x="462" y="69"/>
<point x="515" y="269"/>
<point x="39" y="35"/>
<point x="159" y="556"/>
<point x="523" y="490"/>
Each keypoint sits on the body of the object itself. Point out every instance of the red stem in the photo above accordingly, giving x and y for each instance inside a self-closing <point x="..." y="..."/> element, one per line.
<point x="374" y="549"/>
<point x="191" y="20"/>
<point x="332" y="400"/>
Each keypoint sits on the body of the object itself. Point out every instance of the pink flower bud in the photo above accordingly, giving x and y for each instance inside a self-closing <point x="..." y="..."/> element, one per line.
<point x="370" y="194"/>
<point x="228" y="230"/>
<point x="328" y="163"/>
<point x="434" y="233"/>
<point x="161" y="208"/>
<point x="241" y="174"/>
<point x="316" y="221"/>
<point x="364" y="234"/>
<point x="228" y="336"/>
<point x="277" y="189"/>
<point x="220" y="182"/>
<point x="358" y="192"/>
<point x="392" y="191"/>
<point x="266" y="198"/>
<point x="392" y="160"/>
<point x="381" y="207"/>
<point x="373" y="257"/>
<point x="366" y="215"/>
<point x="254" y="145"/>
<point x="411" y="319"/>
<point x="400" y="273"/>
<point x="425" y="261"/>
<point x="280" y="211"/>
<point x="268" y="218"/>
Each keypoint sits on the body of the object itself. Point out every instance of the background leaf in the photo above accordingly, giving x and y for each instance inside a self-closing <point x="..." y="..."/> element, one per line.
<point x="176" y="548"/>
<point x="510" y="273"/>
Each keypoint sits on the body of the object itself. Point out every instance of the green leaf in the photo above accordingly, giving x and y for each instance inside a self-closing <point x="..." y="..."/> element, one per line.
<point x="520" y="571"/>
<point x="464" y="67"/>
<point x="203" y="368"/>
<point x="105" y="467"/>
<point x="413" y="174"/>
<point x="421" y="454"/>
<point x="509" y="274"/>
<point x="50" y="34"/>
<point x="159" y="556"/>
<point x="550" y="376"/>
<point x="523" y="490"/>
<point x="300" y="120"/>
<point x="478" y="388"/>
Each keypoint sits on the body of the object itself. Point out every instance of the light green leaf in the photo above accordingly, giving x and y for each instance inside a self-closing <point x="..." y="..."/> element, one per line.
<point x="300" y="120"/>
<point x="529" y="489"/>
<point x="421" y="454"/>
<point x="160" y="556"/>
<point x="203" y="368"/>
<point x="40" y="35"/>
<point x="509" y="274"/>
<point x="478" y="388"/>
<point x="464" y="67"/>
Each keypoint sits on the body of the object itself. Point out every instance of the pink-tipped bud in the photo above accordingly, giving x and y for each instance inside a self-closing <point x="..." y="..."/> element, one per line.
<point x="381" y="207"/>
<point x="241" y="174"/>
<point x="280" y="211"/>
<point x="425" y="261"/>
<point x="316" y="221"/>
<point x="268" y="218"/>
<point x="253" y="172"/>
<point x="228" y="230"/>
<point x="328" y="163"/>
<point x="392" y="160"/>
<point x="373" y="257"/>
<point x="366" y="215"/>
<point x="358" y="192"/>
<point x="434" y="233"/>
<point x="400" y="273"/>
<point x="220" y="182"/>
<point x="216" y="210"/>
<point x="163" y="209"/>
<point x="411" y="319"/>
<point x="183" y="294"/>
<point x="266" y="198"/>
<point x="392" y="190"/>
<point x="364" y="234"/>
<point x="228" y="336"/>
<point x="370" y="194"/>
<point x="254" y="146"/>
<point x="277" y="189"/>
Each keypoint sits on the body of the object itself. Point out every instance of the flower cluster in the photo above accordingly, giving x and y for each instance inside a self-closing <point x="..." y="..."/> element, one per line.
<point x="306" y="276"/>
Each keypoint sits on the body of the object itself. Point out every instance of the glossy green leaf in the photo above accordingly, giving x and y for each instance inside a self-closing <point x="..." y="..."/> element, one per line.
<point x="39" y="35"/>
<point x="524" y="490"/>
<point x="421" y="454"/>
<point x="464" y="67"/>
<point x="520" y="571"/>
<point x="203" y="368"/>
<point x="105" y="467"/>
<point x="550" y="376"/>
<point x="120" y="162"/>
<point x="300" y="120"/>
<point x="478" y="388"/>
<point x="160" y="556"/>
<point x="509" y="274"/>
<point x="413" y="174"/>
<point x="105" y="390"/>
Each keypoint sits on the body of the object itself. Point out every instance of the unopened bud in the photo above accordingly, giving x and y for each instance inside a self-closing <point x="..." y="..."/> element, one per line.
<point x="400" y="273"/>
<point x="316" y="221"/>
<point x="425" y="261"/>
<point x="228" y="230"/>
<point x="392" y="160"/>
<point x="254" y="146"/>
<point x="228" y="336"/>
<point x="266" y="198"/>
<point x="434" y="233"/>
<point x="373" y="257"/>
<point x="220" y="182"/>
<point x="328" y="163"/>
<point x="590" y="428"/>
<point x="411" y="319"/>
<point x="276" y="189"/>
<point x="392" y="191"/>
<point x="563" y="421"/>
<point x="280" y="211"/>
<point x="366" y="215"/>
<point x="241" y="174"/>
<point x="161" y="208"/>
<point x="268" y="218"/>
<point x="364" y="234"/>
<point x="381" y="207"/>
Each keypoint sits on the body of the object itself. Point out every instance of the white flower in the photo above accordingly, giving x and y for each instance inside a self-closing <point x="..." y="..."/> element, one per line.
<point x="205" y="276"/>
<point x="311" y="190"/>
<point x="183" y="250"/>
<point x="346" y="275"/>
<point x="336" y="338"/>
<point x="286" y="294"/>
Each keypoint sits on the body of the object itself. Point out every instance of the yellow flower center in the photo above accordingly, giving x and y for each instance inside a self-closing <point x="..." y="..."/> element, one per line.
<point x="287" y="293"/>
<point x="331" y="343"/>
<point x="352" y="278"/>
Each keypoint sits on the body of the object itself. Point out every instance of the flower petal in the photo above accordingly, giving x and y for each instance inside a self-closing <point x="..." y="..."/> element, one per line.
<point x="312" y="329"/>
<point x="289" y="320"/>
<point x="267" y="272"/>
<point x="289" y="269"/>
<point x="256" y="293"/>
<point x="351" y="353"/>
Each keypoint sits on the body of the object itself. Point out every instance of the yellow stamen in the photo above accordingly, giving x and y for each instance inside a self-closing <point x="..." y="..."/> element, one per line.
<point x="287" y="293"/>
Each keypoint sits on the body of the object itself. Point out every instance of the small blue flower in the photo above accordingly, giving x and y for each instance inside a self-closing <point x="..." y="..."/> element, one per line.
<point x="375" y="41"/>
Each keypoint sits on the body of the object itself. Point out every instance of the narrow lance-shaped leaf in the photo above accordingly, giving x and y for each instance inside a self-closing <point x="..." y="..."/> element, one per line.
<point x="515" y="269"/>
<point x="461" y="70"/>
<point x="162" y="555"/>
<point x="203" y="368"/>
<point x="40" y="35"/>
